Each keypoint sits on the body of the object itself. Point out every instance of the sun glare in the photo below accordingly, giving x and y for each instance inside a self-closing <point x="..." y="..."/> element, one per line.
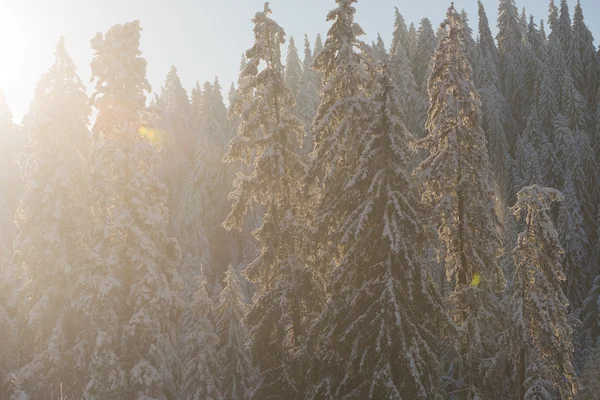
<point x="17" y="50"/>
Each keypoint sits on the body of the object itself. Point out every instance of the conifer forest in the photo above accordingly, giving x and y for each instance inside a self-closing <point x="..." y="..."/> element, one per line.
<point x="351" y="221"/>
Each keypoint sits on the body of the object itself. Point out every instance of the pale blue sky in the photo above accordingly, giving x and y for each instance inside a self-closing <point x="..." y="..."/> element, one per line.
<point x="201" y="38"/>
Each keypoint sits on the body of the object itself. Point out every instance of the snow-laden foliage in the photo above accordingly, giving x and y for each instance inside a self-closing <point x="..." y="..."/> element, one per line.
<point x="307" y="100"/>
<point x="456" y="181"/>
<point x="510" y="38"/>
<point x="293" y="68"/>
<point x="201" y="374"/>
<point x="176" y="135"/>
<point x="53" y="227"/>
<point x="340" y="122"/>
<point x="129" y="294"/>
<point x="540" y="345"/>
<point x="426" y="43"/>
<point x="412" y="102"/>
<point x="12" y="142"/>
<point x="237" y="372"/>
<point x="374" y="339"/>
<point x="285" y="294"/>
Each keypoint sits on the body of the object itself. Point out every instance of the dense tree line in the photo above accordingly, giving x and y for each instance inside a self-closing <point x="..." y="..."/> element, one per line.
<point x="363" y="222"/>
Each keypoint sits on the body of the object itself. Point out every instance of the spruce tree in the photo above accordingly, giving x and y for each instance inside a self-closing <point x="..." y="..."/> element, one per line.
<point x="201" y="374"/>
<point x="12" y="142"/>
<point x="412" y="103"/>
<point x="527" y="164"/>
<point x="177" y="138"/>
<point x="541" y="345"/>
<point x="128" y="297"/>
<point x="238" y="376"/>
<point x="535" y="38"/>
<point x="53" y="223"/>
<point x="456" y="179"/>
<point x="380" y="288"/>
<point x="574" y="241"/>
<point x="510" y="67"/>
<point x="586" y="63"/>
<point x="293" y="68"/>
<point x="308" y="97"/>
<point x="285" y="296"/>
<point x="340" y="121"/>
<point x="426" y="44"/>
<point x="379" y="51"/>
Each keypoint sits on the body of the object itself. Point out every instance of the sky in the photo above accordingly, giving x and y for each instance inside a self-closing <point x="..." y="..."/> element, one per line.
<point x="202" y="38"/>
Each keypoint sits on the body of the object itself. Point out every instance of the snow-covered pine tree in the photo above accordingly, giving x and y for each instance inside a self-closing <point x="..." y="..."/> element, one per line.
<point x="495" y="109"/>
<point x="590" y="341"/>
<point x="586" y="63"/>
<point x="456" y="178"/>
<point x="53" y="227"/>
<point x="12" y="142"/>
<point x="564" y="33"/>
<point x="285" y="296"/>
<point x="400" y="34"/>
<point x="238" y="376"/>
<point x="293" y="68"/>
<point x="381" y="288"/>
<point x="318" y="47"/>
<point x="177" y="135"/>
<point x="486" y="44"/>
<point x="541" y="344"/>
<point x="201" y="374"/>
<point x="535" y="38"/>
<point x="413" y="104"/>
<point x="470" y="45"/>
<point x="574" y="241"/>
<point x="412" y="41"/>
<point x="552" y="18"/>
<point x="308" y="99"/>
<point x="426" y="43"/>
<point x="340" y="122"/>
<point x="379" y="50"/>
<point x="129" y="297"/>
<point x="203" y="204"/>
<point x="510" y="42"/>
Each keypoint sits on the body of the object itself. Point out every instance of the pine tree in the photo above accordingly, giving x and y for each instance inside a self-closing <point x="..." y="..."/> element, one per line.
<point x="237" y="373"/>
<point x="400" y="36"/>
<point x="308" y="97"/>
<point x="586" y="63"/>
<point x="527" y="163"/>
<point x="12" y="142"/>
<point x="457" y="184"/>
<point x="574" y="241"/>
<point x="285" y="295"/>
<point x="535" y="38"/>
<point x="487" y="45"/>
<point x="542" y="336"/>
<point x="341" y="117"/>
<point x="293" y="68"/>
<point x="564" y="33"/>
<point x="176" y="127"/>
<point x="511" y="71"/>
<point x="381" y="283"/>
<point x="129" y="295"/>
<point x="426" y="44"/>
<point x="553" y="18"/>
<point x="201" y="369"/>
<point x="411" y="39"/>
<point x="379" y="51"/>
<point x="470" y="45"/>
<point x="53" y="224"/>
<point x="412" y="103"/>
